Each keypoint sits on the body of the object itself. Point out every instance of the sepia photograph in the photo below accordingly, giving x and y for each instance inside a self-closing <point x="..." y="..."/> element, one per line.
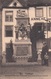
<point x="25" y="39"/>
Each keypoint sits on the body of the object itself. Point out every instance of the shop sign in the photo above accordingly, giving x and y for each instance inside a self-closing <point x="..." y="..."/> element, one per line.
<point x="37" y="18"/>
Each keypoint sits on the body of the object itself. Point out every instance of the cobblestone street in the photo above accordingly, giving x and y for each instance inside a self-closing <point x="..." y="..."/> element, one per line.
<point x="25" y="72"/>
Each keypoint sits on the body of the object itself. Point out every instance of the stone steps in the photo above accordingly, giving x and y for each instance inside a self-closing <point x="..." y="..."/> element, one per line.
<point x="23" y="64"/>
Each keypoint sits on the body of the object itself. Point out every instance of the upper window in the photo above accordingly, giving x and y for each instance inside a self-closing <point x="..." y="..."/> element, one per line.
<point x="8" y="31"/>
<point x="9" y="16"/>
<point x="39" y="12"/>
<point x="50" y="12"/>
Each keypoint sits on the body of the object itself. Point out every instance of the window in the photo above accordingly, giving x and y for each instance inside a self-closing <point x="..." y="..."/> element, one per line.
<point x="9" y="16"/>
<point x="49" y="43"/>
<point x="39" y="12"/>
<point x="47" y="26"/>
<point x="40" y="26"/>
<point x="39" y="30"/>
<point x="8" y="31"/>
<point x="50" y="12"/>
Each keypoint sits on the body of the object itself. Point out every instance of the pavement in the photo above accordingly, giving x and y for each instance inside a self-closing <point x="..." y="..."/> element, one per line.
<point x="31" y="71"/>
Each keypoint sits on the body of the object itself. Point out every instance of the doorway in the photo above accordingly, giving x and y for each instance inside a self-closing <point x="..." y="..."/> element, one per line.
<point x="36" y="34"/>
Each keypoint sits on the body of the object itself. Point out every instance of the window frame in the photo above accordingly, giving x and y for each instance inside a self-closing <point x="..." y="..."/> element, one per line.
<point x="38" y="9"/>
<point x="8" y="19"/>
<point x="47" y="26"/>
<point x="49" y="12"/>
<point x="8" y="31"/>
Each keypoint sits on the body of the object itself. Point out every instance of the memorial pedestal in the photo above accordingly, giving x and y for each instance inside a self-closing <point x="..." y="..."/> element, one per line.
<point x="4" y="59"/>
<point x="22" y="51"/>
<point x="39" y="57"/>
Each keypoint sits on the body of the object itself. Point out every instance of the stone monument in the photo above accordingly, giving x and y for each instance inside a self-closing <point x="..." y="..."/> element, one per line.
<point x="22" y="46"/>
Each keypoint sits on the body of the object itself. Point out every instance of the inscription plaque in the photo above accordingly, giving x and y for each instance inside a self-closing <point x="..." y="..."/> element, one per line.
<point x="21" y="51"/>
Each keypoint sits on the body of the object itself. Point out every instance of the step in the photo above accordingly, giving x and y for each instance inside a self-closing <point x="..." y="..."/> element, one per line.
<point x="23" y="64"/>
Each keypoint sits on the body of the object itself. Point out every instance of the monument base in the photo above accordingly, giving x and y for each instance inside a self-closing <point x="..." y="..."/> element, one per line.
<point x="22" y="51"/>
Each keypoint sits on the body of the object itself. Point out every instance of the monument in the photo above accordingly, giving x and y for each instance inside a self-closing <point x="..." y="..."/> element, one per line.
<point x="22" y="46"/>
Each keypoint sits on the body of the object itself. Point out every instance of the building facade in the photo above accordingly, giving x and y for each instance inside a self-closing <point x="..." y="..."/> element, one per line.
<point x="41" y="14"/>
<point x="15" y="13"/>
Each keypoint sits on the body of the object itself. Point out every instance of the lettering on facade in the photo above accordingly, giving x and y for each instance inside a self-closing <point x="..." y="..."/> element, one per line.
<point x="43" y="18"/>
